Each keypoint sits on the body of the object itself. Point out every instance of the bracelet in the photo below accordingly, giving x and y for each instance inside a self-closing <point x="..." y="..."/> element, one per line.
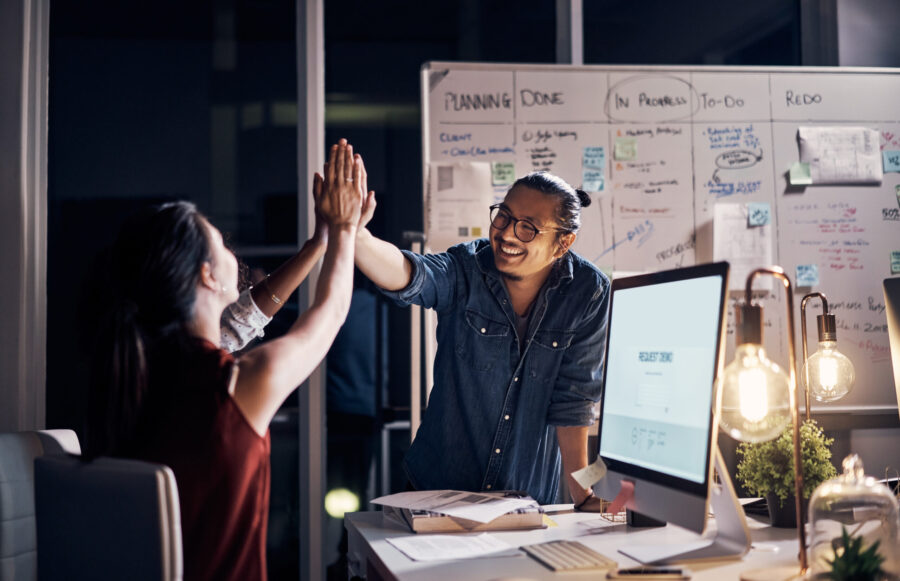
<point x="272" y="295"/>
<point x="583" y="502"/>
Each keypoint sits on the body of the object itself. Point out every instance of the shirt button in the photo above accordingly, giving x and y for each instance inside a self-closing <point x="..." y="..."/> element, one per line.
<point x="554" y="343"/>
<point x="483" y="330"/>
<point x="506" y="417"/>
<point x="515" y="379"/>
<point x="488" y="486"/>
<point x="497" y="451"/>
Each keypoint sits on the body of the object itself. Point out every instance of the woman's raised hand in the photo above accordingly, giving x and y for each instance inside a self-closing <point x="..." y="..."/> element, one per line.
<point x="341" y="199"/>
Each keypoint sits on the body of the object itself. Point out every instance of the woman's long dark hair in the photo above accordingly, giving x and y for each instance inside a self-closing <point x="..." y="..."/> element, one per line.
<point x="154" y="270"/>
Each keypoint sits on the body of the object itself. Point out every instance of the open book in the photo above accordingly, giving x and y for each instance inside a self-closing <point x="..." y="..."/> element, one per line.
<point x="529" y="516"/>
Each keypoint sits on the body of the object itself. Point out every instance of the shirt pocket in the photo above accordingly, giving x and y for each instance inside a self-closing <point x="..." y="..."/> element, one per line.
<point x="547" y="350"/>
<point x="481" y="341"/>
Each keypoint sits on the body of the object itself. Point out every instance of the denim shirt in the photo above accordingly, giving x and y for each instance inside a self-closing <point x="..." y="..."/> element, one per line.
<point x="490" y="421"/>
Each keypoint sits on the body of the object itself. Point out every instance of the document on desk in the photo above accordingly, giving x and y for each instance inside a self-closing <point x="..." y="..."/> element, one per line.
<point x="444" y="547"/>
<point x="470" y="505"/>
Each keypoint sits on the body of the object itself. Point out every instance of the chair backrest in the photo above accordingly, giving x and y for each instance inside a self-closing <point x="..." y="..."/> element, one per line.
<point x="18" y="543"/>
<point x="107" y="519"/>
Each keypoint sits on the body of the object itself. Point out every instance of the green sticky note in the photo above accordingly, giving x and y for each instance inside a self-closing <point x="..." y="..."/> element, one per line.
<point x="503" y="173"/>
<point x="800" y="175"/>
<point x="895" y="262"/>
<point x="625" y="149"/>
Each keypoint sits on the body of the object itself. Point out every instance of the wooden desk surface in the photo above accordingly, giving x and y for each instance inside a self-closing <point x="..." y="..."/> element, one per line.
<point x="371" y="555"/>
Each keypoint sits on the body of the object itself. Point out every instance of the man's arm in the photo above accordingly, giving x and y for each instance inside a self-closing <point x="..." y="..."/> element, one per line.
<point x="382" y="262"/>
<point x="578" y="384"/>
<point x="378" y="259"/>
<point x="573" y="444"/>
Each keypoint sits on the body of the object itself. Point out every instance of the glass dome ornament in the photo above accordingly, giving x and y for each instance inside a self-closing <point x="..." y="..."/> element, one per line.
<point x="864" y="510"/>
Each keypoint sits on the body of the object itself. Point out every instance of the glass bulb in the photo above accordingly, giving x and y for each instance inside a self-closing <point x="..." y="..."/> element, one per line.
<point x="755" y="396"/>
<point x="830" y="372"/>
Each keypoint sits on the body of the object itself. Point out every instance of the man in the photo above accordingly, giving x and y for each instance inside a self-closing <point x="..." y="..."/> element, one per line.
<point x="521" y="331"/>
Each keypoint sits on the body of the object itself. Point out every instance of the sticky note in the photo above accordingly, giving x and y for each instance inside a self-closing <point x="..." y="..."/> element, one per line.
<point x="594" y="158"/>
<point x="625" y="149"/>
<point x="476" y="231"/>
<point x="592" y="180"/>
<point x="800" y="175"/>
<point x="895" y="262"/>
<point x="807" y="275"/>
<point x="503" y="173"/>
<point x="891" y="159"/>
<point x="758" y="213"/>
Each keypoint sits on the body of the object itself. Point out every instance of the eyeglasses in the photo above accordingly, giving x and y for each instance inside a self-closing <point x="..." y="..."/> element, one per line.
<point x="524" y="230"/>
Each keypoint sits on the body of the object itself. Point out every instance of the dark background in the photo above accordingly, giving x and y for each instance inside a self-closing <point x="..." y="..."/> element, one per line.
<point x="152" y="101"/>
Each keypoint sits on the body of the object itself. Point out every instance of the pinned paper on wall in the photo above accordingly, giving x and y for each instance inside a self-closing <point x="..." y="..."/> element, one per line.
<point x="758" y="213"/>
<point x="841" y="155"/>
<point x="743" y="247"/>
<point x="799" y="175"/>
<point x="895" y="262"/>
<point x="457" y="205"/>
<point x="503" y="173"/>
<point x="625" y="149"/>
<point x="807" y="275"/>
<point x="593" y="168"/>
<point x="891" y="161"/>
<point x="592" y="180"/>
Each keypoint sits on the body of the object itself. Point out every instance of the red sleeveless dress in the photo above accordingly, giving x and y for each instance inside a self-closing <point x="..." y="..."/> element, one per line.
<point x="221" y="464"/>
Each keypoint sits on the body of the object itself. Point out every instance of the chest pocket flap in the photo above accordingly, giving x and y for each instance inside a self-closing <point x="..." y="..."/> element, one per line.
<point x="554" y="340"/>
<point x="485" y="326"/>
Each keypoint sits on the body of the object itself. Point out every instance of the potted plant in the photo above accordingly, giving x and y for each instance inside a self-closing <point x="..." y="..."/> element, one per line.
<point x="767" y="469"/>
<point x="852" y="563"/>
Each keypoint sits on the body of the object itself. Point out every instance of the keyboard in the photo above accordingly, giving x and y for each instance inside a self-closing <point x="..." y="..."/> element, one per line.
<point x="568" y="556"/>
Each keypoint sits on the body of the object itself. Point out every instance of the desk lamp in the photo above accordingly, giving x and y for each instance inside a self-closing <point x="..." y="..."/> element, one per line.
<point x="758" y="399"/>
<point x="828" y="374"/>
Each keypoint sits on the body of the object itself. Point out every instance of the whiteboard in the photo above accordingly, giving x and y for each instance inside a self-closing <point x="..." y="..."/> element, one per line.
<point x="685" y="150"/>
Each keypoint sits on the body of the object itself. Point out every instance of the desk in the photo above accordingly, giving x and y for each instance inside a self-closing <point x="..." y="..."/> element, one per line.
<point x="371" y="556"/>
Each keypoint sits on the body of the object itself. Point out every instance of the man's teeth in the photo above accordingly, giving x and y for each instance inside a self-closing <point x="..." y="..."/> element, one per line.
<point x="511" y="251"/>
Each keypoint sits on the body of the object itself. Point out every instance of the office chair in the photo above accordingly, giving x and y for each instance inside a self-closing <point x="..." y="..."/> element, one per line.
<point x="18" y="543"/>
<point x="107" y="519"/>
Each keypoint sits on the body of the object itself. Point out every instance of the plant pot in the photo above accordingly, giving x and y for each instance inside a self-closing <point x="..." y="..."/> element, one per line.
<point x="784" y="516"/>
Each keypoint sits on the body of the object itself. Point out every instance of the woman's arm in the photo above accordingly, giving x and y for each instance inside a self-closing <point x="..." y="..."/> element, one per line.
<point x="244" y="320"/>
<point x="270" y="372"/>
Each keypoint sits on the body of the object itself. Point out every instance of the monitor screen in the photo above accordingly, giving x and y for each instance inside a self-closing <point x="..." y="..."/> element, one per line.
<point x="663" y="347"/>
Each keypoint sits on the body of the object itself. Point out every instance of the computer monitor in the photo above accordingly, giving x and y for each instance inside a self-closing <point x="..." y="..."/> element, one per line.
<point x="658" y="427"/>
<point x="892" y="311"/>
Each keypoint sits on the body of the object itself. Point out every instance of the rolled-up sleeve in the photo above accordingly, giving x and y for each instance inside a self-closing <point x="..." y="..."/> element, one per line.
<point x="432" y="284"/>
<point x="241" y="322"/>
<point x="579" y="381"/>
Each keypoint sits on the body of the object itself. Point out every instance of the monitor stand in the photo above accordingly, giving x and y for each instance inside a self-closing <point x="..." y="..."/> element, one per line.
<point x="731" y="539"/>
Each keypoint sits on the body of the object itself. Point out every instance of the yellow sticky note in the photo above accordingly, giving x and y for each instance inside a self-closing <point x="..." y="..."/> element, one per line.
<point x="625" y="149"/>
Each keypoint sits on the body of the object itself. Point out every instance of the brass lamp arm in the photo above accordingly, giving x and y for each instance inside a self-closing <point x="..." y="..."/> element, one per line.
<point x="778" y="273"/>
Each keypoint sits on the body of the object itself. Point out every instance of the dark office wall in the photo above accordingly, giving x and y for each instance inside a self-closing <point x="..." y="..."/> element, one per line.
<point x="129" y="125"/>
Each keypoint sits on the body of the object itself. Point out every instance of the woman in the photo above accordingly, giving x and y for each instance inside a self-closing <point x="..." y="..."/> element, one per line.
<point x="169" y="394"/>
